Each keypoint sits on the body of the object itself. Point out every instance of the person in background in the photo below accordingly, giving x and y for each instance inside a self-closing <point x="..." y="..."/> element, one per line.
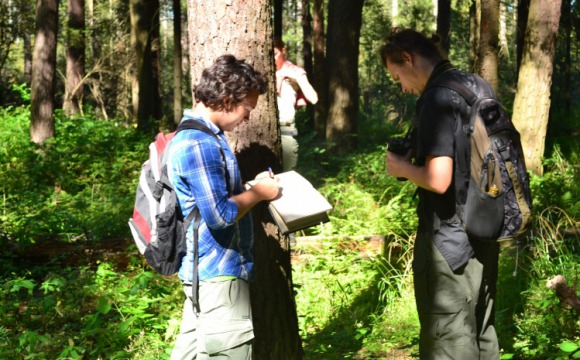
<point x="293" y="90"/>
<point x="221" y="328"/>
<point x="454" y="276"/>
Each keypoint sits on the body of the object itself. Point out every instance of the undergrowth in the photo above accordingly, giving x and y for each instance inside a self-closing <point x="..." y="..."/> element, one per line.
<point x="353" y="300"/>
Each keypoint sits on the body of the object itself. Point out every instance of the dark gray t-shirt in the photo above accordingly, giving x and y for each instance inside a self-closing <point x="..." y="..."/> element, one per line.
<point x="439" y="111"/>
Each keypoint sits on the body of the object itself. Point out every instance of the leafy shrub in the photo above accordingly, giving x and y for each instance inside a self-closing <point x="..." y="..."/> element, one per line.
<point x="76" y="185"/>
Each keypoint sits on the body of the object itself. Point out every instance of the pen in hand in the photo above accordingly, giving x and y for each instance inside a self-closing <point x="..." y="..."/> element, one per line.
<point x="270" y="172"/>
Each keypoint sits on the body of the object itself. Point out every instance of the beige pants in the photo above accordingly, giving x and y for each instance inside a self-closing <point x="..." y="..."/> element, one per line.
<point x="223" y="329"/>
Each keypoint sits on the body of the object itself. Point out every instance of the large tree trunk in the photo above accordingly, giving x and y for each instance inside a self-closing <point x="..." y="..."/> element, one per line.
<point x="145" y="41"/>
<point x="487" y="58"/>
<point x="444" y="22"/>
<point x="344" y="22"/>
<point x="75" y="57"/>
<point x="243" y="28"/>
<point x="43" y="70"/>
<point x="177" y="73"/>
<point x="320" y="83"/>
<point x="532" y="102"/>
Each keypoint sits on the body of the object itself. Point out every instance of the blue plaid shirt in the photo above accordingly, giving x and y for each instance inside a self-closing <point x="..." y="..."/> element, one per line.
<point x="196" y="170"/>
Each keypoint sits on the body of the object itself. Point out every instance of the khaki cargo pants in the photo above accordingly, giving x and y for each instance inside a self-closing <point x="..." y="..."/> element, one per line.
<point x="223" y="329"/>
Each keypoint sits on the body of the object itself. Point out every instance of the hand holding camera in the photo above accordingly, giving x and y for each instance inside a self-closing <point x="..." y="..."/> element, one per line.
<point x="402" y="146"/>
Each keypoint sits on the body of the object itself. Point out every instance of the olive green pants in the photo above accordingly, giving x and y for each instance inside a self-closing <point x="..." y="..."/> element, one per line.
<point x="456" y="309"/>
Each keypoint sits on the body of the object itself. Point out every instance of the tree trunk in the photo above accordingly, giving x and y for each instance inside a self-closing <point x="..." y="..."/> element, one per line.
<point x="532" y="101"/>
<point x="75" y="57"/>
<point x="522" y="23"/>
<point x="243" y="28"/>
<point x="177" y="73"/>
<point x="503" y="35"/>
<point x="320" y="83"/>
<point x="487" y="58"/>
<point x="278" y="10"/>
<point x="344" y="22"/>
<point x="567" y="60"/>
<point x="395" y="13"/>
<point x="185" y="78"/>
<point x="474" y="21"/>
<point x="43" y="70"/>
<point x="145" y="41"/>
<point x="307" y="51"/>
<point x="444" y="22"/>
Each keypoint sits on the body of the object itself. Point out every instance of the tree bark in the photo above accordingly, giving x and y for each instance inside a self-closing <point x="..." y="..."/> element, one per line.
<point x="487" y="58"/>
<point x="532" y="101"/>
<point x="75" y="57"/>
<point x="522" y="23"/>
<point x="145" y="41"/>
<point x="444" y="22"/>
<point x="344" y="22"/>
<point x="320" y="83"/>
<point x="243" y="28"/>
<point x="474" y="21"/>
<point x="43" y="71"/>
<point x="567" y="59"/>
<point x="307" y="51"/>
<point x="177" y="73"/>
<point x="278" y="10"/>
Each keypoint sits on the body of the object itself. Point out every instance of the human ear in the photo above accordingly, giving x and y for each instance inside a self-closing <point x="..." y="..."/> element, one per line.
<point x="407" y="57"/>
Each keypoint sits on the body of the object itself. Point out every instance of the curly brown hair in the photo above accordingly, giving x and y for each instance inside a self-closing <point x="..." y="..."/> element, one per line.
<point x="227" y="82"/>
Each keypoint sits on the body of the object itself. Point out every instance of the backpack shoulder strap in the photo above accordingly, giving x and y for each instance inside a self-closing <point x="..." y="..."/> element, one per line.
<point x="197" y="125"/>
<point x="458" y="87"/>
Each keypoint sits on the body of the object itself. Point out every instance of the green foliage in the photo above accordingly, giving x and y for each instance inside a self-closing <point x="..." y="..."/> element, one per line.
<point x="88" y="313"/>
<point x="77" y="185"/>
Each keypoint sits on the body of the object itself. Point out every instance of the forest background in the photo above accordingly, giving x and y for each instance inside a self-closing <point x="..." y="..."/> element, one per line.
<point x="86" y="84"/>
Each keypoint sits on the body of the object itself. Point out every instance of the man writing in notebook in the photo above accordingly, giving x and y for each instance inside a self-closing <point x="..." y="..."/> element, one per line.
<point x="221" y="326"/>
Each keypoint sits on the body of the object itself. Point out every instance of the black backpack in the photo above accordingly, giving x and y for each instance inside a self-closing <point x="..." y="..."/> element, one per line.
<point x="489" y="161"/>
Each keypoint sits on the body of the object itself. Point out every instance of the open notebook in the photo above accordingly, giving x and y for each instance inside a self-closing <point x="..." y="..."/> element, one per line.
<point x="299" y="206"/>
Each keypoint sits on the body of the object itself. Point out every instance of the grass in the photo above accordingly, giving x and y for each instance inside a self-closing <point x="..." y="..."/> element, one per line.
<point x="72" y="288"/>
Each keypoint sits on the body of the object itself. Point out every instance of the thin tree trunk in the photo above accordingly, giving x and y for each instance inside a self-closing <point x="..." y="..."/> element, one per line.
<point x="532" y="101"/>
<point x="345" y="18"/>
<point x="243" y="28"/>
<point x="395" y="12"/>
<point x="75" y="57"/>
<point x="177" y="71"/>
<point x="474" y="21"/>
<point x="278" y="10"/>
<point x="320" y="83"/>
<point x="522" y="23"/>
<point x="487" y="65"/>
<point x="43" y="71"/>
<point x="444" y="22"/>
<point x="567" y="61"/>
<point x="307" y="50"/>
<point x="503" y="41"/>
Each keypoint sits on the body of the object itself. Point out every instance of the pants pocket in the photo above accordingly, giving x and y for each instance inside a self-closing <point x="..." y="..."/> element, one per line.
<point x="221" y="335"/>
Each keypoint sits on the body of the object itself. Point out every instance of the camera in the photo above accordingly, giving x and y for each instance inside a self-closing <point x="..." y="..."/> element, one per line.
<point x="402" y="145"/>
<point x="399" y="146"/>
